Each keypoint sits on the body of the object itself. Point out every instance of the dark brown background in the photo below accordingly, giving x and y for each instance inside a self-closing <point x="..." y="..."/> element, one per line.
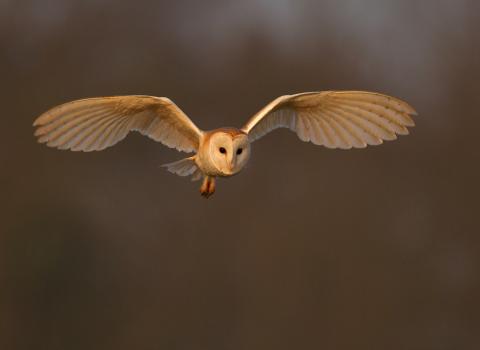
<point x="308" y="248"/>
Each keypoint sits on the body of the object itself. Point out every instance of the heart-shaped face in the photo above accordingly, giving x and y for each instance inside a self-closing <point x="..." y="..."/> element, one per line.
<point x="229" y="151"/>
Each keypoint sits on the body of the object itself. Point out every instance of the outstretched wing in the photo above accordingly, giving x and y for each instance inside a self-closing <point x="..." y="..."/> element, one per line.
<point x="94" y="124"/>
<point x="335" y="119"/>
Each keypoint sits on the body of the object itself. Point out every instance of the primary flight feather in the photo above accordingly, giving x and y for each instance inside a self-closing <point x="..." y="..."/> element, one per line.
<point x="334" y="119"/>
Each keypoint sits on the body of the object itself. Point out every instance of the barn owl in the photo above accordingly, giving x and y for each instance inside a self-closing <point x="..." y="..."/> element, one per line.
<point x="334" y="119"/>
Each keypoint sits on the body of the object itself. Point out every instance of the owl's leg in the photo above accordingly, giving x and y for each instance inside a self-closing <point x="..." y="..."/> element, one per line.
<point x="211" y="187"/>
<point x="208" y="186"/>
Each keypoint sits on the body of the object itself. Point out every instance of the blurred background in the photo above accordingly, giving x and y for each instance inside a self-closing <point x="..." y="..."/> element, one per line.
<point x="308" y="248"/>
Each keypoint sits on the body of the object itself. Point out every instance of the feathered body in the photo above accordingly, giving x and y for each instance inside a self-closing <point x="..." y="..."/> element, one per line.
<point x="334" y="119"/>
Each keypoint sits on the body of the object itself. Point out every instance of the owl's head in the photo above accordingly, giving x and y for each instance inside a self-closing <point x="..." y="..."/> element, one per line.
<point x="229" y="150"/>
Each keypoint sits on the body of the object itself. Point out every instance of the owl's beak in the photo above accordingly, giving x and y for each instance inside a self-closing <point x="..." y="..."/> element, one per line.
<point x="232" y="164"/>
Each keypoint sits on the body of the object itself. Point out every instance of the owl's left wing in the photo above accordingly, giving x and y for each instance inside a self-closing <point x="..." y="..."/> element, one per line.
<point x="335" y="119"/>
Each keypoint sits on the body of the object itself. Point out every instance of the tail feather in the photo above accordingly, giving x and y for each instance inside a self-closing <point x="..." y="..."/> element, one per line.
<point x="184" y="167"/>
<point x="197" y="175"/>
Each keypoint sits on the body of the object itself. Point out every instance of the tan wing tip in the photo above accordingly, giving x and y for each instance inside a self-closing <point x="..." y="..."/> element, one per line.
<point x="39" y="140"/>
<point x="48" y="116"/>
<point x="404" y="131"/>
<point x="39" y="121"/>
<point x="38" y="132"/>
<point x="409" y="108"/>
<point x="408" y="120"/>
<point x="43" y="139"/>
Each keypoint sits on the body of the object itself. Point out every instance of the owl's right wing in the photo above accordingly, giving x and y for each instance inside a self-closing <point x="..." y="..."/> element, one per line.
<point x="94" y="124"/>
<point x="335" y="119"/>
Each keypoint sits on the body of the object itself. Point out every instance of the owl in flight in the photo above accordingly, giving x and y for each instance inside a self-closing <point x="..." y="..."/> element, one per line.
<point x="334" y="119"/>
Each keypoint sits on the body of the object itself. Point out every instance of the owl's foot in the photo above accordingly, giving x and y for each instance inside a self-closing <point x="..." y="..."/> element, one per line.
<point x="208" y="186"/>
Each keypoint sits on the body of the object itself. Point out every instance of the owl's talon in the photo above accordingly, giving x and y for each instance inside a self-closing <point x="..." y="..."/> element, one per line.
<point x="208" y="187"/>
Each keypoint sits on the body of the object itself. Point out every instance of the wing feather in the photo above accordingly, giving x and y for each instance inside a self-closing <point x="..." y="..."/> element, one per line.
<point x="115" y="133"/>
<point x="373" y="98"/>
<point x="106" y="135"/>
<point x="335" y="119"/>
<point x="313" y="134"/>
<point x="64" y="135"/>
<point x="362" y="126"/>
<point x="320" y="137"/>
<point x="68" y="139"/>
<point x="97" y="123"/>
<point x="52" y="132"/>
<point x="373" y="126"/>
<point x="390" y="114"/>
<point x="355" y="137"/>
<point x="329" y="133"/>
<point x="75" y="138"/>
<point x="343" y="136"/>
<point x="301" y="128"/>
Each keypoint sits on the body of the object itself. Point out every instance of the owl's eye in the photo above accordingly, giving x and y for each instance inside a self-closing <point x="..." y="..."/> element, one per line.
<point x="239" y="151"/>
<point x="222" y="150"/>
